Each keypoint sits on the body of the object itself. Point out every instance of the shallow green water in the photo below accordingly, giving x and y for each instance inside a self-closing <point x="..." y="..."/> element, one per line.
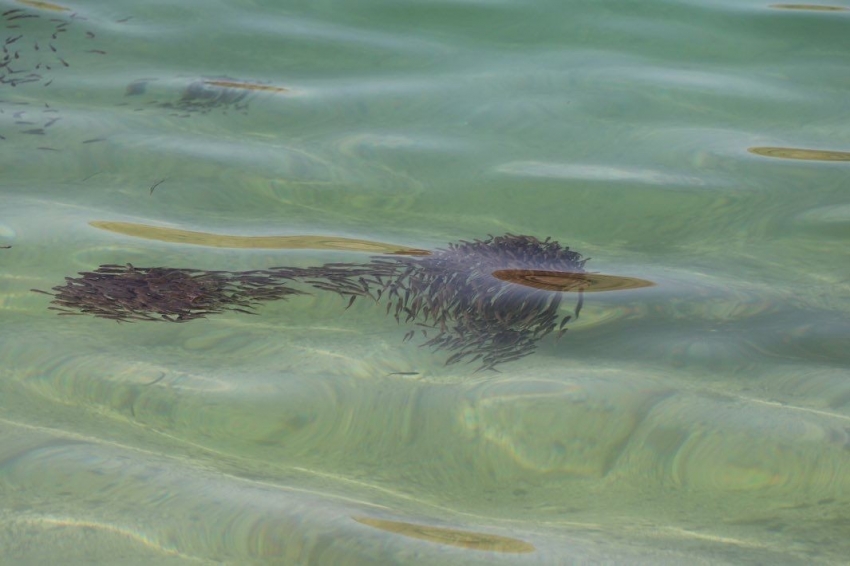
<point x="697" y="145"/>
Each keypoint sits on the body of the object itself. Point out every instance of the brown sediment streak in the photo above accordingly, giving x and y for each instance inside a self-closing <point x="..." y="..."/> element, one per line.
<point x="177" y="236"/>
<point x="801" y="153"/>
<point x="245" y="86"/>
<point x="811" y="7"/>
<point x="453" y="537"/>
<point x="563" y="281"/>
<point x="44" y="5"/>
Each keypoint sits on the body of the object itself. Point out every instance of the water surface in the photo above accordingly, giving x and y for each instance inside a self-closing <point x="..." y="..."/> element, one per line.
<point x="700" y="146"/>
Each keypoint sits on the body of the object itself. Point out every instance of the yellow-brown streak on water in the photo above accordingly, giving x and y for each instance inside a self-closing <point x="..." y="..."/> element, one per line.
<point x="812" y="7"/>
<point x="453" y="537"/>
<point x="44" y="5"/>
<point x="801" y="153"/>
<point x="178" y="236"/>
<point x="563" y="281"/>
<point x="245" y="86"/>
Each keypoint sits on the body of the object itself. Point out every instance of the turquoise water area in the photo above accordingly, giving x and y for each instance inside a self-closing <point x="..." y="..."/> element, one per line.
<point x="701" y="146"/>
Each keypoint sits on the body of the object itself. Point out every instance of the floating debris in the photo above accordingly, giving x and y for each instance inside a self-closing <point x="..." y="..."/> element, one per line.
<point x="800" y="153"/>
<point x="454" y="537"/>
<point x="487" y="301"/>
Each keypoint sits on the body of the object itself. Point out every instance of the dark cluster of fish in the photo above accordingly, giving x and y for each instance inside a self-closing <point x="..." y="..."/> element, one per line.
<point x="478" y="315"/>
<point x="32" y="53"/>
<point x="126" y="293"/>
<point x="201" y="96"/>
<point x="30" y="44"/>
<point x="30" y="119"/>
<point x="451" y="292"/>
